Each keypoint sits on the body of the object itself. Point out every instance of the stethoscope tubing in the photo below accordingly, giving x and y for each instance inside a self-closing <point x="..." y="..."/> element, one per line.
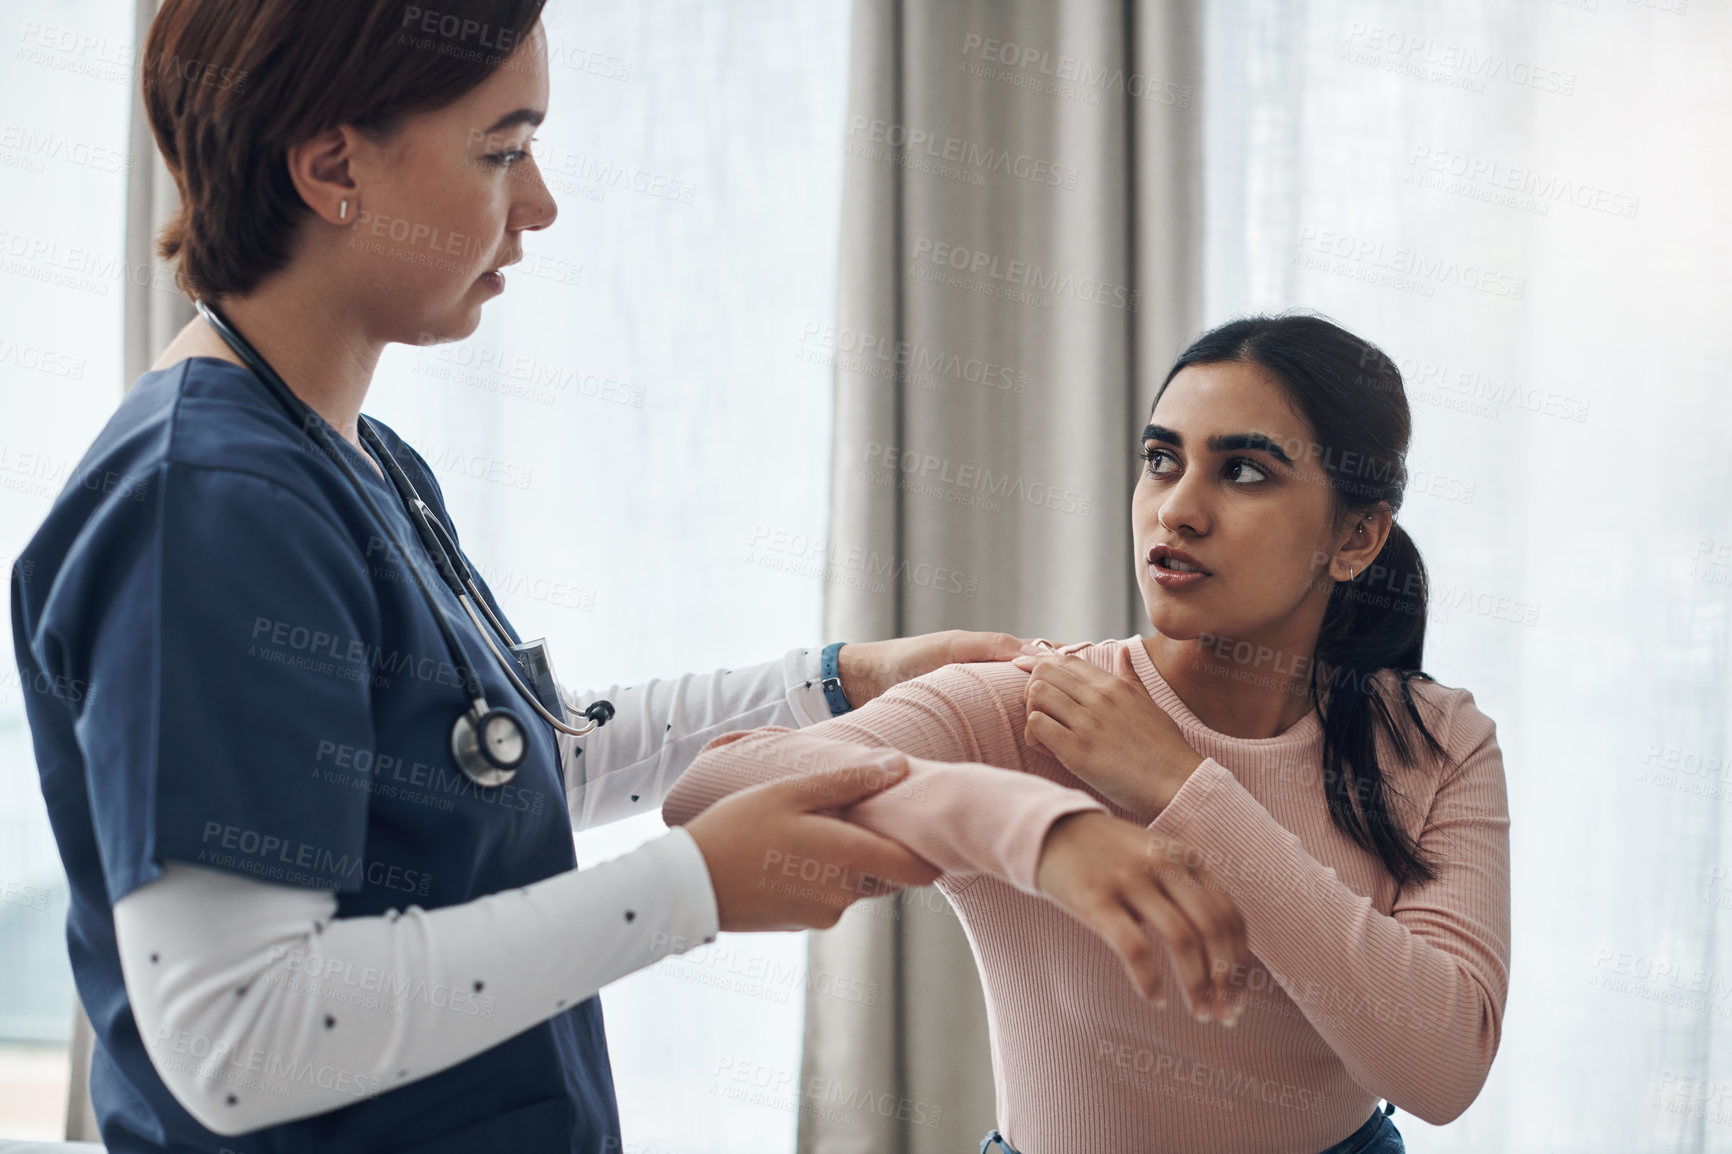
<point x="523" y="690"/>
<point x="316" y="427"/>
<point x="460" y="579"/>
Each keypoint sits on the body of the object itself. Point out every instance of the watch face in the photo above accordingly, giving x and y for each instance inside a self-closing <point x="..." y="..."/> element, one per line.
<point x="504" y="738"/>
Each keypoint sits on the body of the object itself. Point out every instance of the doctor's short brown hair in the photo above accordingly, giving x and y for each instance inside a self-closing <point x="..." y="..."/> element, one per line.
<point x="231" y="85"/>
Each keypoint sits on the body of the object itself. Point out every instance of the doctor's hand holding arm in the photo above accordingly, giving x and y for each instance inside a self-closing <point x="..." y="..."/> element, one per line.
<point x="869" y="669"/>
<point x="628" y="765"/>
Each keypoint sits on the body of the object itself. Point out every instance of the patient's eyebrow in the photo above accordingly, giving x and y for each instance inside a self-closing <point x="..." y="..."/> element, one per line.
<point x="530" y="116"/>
<point x="1224" y="442"/>
<point x="1261" y="442"/>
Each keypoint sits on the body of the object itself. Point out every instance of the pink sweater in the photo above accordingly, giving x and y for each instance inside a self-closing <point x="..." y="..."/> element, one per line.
<point x="1359" y="991"/>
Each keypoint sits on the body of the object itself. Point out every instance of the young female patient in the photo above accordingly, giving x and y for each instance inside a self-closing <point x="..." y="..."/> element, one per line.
<point x="1277" y="725"/>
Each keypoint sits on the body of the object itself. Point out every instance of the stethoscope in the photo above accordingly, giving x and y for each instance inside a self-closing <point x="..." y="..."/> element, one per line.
<point x="488" y="744"/>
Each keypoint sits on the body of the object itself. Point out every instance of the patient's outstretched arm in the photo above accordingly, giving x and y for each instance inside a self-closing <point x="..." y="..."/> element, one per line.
<point x="965" y="807"/>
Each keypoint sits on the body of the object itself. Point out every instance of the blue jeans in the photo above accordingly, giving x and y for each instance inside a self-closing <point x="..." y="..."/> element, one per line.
<point x="1377" y="1136"/>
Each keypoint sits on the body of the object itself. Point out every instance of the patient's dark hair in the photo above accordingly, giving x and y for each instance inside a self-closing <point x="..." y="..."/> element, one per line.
<point x="1352" y="396"/>
<point x="231" y="85"/>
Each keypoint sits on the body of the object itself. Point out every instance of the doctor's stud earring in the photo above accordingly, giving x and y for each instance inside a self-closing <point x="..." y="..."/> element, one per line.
<point x="342" y="210"/>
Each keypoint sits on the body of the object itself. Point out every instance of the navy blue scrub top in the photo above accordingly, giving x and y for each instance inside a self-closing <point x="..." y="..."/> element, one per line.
<point x="230" y="667"/>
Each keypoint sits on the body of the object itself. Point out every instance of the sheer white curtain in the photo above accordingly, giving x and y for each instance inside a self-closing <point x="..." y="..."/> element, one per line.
<point x="1524" y="204"/>
<point x="634" y="421"/>
<point x="65" y="88"/>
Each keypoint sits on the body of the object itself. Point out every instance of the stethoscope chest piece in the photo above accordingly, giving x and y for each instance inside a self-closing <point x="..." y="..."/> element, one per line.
<point x="489" y="749"/>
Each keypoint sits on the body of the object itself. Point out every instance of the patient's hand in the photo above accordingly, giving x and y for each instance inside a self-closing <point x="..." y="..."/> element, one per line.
<point x="868" y="668"/>
<point x="1131" y="884"/>
<point x="1105" y="728"/>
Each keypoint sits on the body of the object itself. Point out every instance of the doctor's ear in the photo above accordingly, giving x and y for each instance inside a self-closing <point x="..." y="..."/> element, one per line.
<point x="321" y="170"/>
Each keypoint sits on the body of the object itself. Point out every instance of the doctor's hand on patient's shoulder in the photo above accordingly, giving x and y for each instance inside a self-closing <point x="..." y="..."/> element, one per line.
<point x="868" y="668"/>
<point x="1133" y="886"/>
<point x="777" y="863"/>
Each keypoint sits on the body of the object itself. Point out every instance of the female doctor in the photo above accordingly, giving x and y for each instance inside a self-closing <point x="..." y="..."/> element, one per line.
<point x="315" y="810"/>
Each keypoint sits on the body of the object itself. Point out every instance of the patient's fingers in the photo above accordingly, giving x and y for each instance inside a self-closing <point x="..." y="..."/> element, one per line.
<point x="1135" y="887"/>
<point x="1229" y="968"/>
<point x="1052" y="701"/>
<point x="1157" y="910"/>
<point x="1219" y="931"/>
<point x="1124" y="670"/>
<point x="1115" y="922"/>
<point x="1074" y="675"/>
<point x="1042" y="732"/>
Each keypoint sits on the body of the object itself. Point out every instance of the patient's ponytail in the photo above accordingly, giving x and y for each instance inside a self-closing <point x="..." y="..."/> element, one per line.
<point x="1352" y="395"/>
<point x="1374" y="622"/>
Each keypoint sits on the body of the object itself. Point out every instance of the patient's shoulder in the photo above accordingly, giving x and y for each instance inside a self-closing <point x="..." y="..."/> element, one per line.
<point x="998" y="713"/>
<point x="1449" y="712"/>
<point x="1006" y="680"/>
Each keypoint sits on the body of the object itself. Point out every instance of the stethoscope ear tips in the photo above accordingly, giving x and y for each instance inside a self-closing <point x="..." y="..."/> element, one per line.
<point x="600" y="712"/>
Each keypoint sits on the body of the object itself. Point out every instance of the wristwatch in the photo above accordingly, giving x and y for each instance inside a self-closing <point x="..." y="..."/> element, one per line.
<point x="830" y="669"/>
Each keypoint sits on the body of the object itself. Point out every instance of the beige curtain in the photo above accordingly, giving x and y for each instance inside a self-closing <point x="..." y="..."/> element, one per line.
<point x="1021" y="229"/>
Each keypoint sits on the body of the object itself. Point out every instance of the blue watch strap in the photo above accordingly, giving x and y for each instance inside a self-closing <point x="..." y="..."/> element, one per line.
<point x="830" y="669"/>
